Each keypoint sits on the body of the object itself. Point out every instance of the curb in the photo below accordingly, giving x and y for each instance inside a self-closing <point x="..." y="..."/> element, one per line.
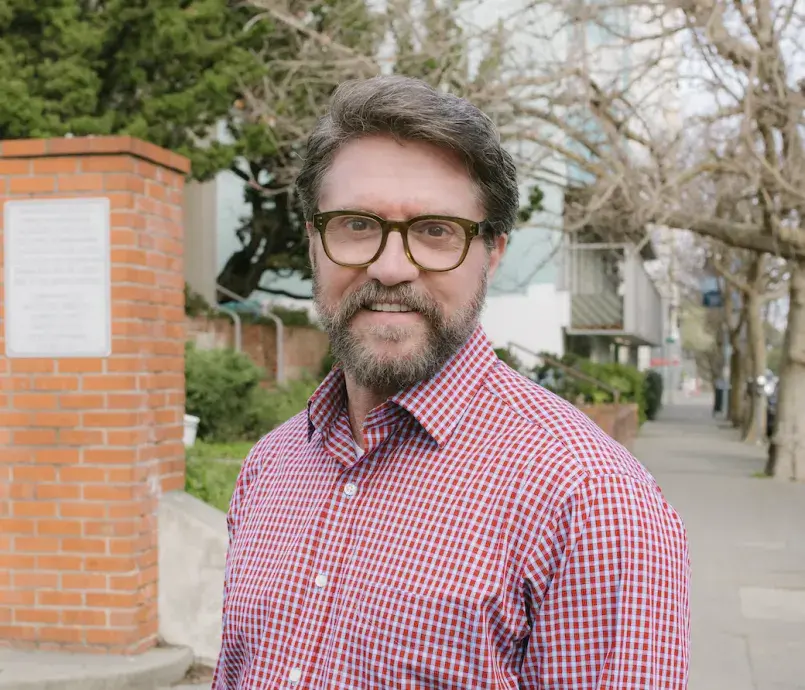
<point x="58" y="671"/>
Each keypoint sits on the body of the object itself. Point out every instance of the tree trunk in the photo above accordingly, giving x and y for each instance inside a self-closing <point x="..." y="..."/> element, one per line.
<point x="755" y="430"/>
<point x="787" y="449"/>
<point x="737" y="378"/>
<point x="240" y="275"/>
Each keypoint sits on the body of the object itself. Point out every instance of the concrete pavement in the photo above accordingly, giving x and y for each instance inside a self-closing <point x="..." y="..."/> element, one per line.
<point x="747" y="540"/>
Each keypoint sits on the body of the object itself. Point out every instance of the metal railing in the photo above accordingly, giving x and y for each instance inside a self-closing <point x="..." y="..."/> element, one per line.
<point x="570" y="371"/>
<point x="265" y="311"/>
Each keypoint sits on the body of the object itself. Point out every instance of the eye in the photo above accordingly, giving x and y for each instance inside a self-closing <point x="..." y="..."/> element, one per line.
<point x="356" y="224"/>
<point x="433" y="230"/>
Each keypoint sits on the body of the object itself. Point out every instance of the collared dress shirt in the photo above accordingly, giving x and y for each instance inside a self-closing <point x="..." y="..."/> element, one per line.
<point x="489" y="536"/>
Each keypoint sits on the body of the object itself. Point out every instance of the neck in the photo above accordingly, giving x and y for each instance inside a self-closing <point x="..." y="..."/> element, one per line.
<point x="360" y="402"/>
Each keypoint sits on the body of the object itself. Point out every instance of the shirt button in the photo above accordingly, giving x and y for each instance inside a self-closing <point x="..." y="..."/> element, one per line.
<point x="350" y="490"/>
<point x="295" y="675"/>
<point x="321" y="580"/>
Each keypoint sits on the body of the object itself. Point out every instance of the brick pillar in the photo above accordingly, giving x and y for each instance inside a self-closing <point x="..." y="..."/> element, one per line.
<point x="88" y="444"/>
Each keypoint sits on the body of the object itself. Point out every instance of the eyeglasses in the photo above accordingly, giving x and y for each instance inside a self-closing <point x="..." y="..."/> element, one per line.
<point x="356" y="239"/>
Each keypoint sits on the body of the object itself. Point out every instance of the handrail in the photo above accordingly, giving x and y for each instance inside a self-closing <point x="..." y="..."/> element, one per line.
<point x="570" y="371"/>
<point x="280" y="328"/>
<point x="236" y="322"/>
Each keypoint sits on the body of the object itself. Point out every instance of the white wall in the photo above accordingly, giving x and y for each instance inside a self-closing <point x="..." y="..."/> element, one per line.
<point x="534" y="319"/>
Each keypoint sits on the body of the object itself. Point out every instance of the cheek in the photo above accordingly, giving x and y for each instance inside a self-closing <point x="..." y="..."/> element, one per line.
<point x="334" y="281"/>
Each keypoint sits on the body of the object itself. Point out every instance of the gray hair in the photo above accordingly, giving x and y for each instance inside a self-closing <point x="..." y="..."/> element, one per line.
<point x="410" y="109"/>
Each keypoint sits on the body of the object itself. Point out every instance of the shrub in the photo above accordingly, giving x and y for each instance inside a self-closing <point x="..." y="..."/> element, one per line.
<point x="272" y="407"/>
<point x="626" y="379"/>
<point x="507" y="356"/>
<point x="223" y="389"/>
<point x="653" y="393"/>
<point x="327" y="363"/>
<point x="220" y="389"/>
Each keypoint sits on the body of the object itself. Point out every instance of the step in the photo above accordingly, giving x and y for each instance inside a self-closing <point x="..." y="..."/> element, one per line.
<point x="39" y="670"/>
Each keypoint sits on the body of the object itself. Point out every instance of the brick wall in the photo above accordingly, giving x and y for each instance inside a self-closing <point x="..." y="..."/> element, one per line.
<point x="304" y="347"/>
<point x="87" y="445"/>
<point x="620" y="421"/>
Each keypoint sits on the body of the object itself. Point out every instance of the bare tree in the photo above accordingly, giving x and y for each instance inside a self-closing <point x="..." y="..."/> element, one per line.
<point x="759" y="279"/>
<point x="688" y="113"/>
<point x="311" y="47"/>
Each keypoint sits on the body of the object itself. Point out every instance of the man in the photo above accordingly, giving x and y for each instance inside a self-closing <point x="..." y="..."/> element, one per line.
<point x="434" y="519"/>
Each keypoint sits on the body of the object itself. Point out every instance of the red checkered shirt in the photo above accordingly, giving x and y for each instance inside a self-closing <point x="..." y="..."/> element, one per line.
<point x="491" y="536"/>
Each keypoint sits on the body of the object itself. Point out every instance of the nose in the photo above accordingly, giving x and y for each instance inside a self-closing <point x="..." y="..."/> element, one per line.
<point x="393" y="266"/>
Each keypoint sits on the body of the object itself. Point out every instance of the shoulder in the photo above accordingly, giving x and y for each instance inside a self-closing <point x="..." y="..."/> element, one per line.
<point x="561" y="429"/>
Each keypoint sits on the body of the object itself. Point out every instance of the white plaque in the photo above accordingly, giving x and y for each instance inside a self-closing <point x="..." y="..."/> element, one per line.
<point x="58" y="278"/>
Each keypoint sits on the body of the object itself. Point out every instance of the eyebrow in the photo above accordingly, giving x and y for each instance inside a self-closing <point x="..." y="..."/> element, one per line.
<point x="431" y="212"/>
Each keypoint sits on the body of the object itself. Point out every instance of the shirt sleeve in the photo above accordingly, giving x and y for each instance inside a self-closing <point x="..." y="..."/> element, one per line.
<point x="608" y="593"/>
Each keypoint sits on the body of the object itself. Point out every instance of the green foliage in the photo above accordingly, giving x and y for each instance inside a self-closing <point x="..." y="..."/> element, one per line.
<point x="622" y="377"/>
<point x="224" y="390"/>
<point x="272" y="407"/>
<point x="195" y="304"/>
<point x="164" y="71"/>
<point x="211" y="471"/>
<point x="507" y="356"/>
<point x="221" y="389"/>
<point x="653" y="393"/>
<point x="327" y="363"/>
<point x="533" y="205"/>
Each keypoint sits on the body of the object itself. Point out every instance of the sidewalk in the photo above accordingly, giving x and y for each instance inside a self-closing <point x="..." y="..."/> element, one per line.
<point x="747" y="541"/>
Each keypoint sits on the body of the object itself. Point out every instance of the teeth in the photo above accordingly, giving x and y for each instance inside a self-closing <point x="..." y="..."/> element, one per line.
<point x="388" y="307"/>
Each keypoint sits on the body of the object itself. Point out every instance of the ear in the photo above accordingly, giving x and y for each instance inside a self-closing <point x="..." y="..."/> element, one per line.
<point x="496" y="254"/>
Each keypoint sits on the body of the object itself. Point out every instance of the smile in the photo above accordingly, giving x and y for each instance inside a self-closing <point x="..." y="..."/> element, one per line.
<point x="378" y="306"/>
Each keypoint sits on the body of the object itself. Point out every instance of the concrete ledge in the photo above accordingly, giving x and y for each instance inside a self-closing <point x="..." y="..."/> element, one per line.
<point x="193" y="541"/>
<point x="60" y="671"/>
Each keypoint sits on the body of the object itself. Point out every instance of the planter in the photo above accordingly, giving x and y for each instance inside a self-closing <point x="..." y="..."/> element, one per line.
<point x="190" y="429"/>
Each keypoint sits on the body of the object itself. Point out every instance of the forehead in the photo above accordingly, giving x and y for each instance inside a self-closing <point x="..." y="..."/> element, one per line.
<point x="399" y="180"/>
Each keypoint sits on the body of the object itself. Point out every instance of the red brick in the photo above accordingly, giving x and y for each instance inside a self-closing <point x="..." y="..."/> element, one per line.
<point x="32" y="185"/>
<point x="83" y="545"/>
<point x="84" y="617"/>
<point x="35" y="401"/>
<point x="108" y="164"/>
<point x="34" y="473"/>
<point x="83" y="401"/>
<point x="59" y="492"/>
<point x="84" y="582"/>
<point x="34" y="508"/>
<point x="56" y="419"/>
<point x="15" y="167"/>
<point x="37" y="615"/>
<point x="23" y="147"/>
<point x="55" y="165"/>
<point x="80" y="183"/>
<point x="46" y="598"/>
<point x="58" y="527"/>
<point x="79" y="366"/>
<point x="27" y="366"/>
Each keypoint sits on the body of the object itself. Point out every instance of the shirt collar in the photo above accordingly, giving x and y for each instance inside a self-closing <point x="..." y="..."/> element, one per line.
<point x="437" y="403"/>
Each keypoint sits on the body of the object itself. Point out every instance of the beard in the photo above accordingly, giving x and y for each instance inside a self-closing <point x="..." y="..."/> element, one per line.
<point x="387" y="374"/>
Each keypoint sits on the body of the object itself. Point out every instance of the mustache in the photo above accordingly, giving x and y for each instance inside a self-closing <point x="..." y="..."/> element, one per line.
<point x="372" y="292"/>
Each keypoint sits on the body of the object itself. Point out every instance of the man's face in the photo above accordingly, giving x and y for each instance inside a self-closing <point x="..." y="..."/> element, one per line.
<point x="384" y="350"/>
